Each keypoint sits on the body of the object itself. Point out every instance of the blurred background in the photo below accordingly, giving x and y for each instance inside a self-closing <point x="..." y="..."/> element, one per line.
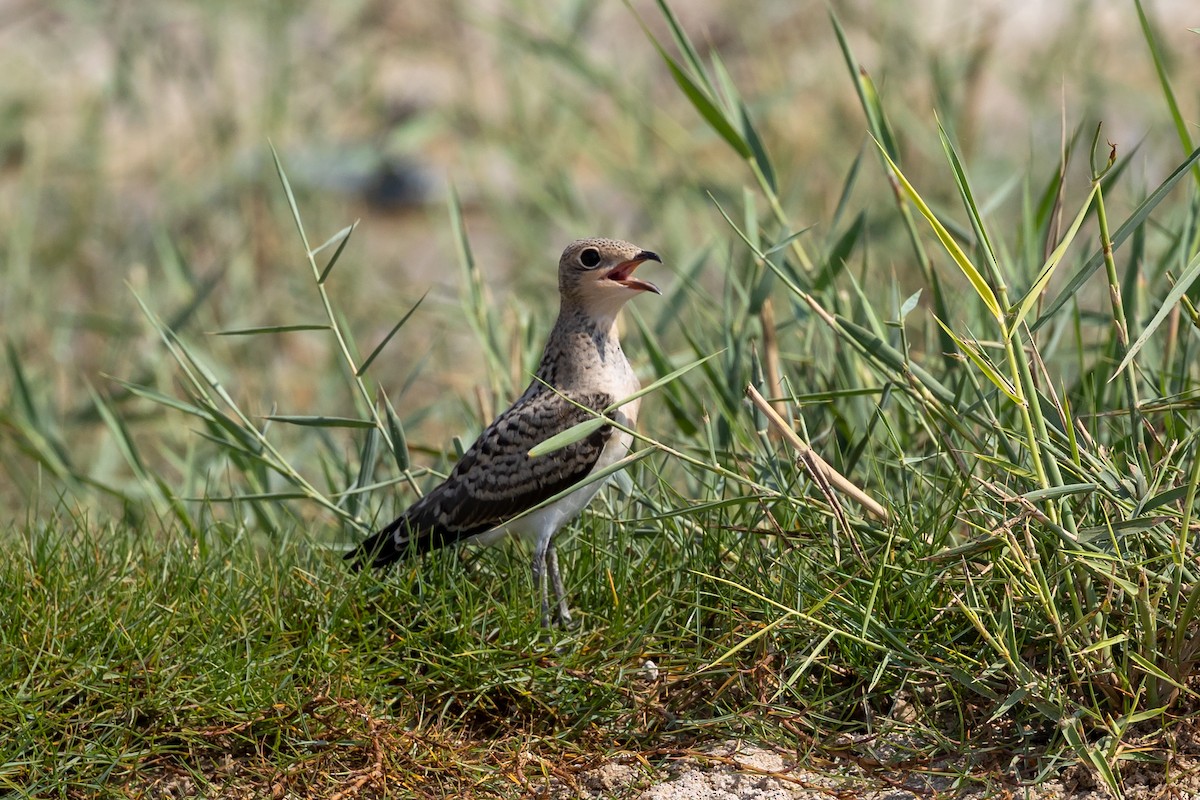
<point x="135" y="160"/>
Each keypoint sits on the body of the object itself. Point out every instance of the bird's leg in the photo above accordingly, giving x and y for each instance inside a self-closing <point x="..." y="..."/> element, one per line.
<point x="538" y="568"/>
<point x="563" y="614"/>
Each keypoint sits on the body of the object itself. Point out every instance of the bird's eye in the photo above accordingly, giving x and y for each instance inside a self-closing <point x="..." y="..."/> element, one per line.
<point x="589" y="257"/>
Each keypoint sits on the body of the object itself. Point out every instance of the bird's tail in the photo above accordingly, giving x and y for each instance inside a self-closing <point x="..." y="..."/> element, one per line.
<point x="400" y="539"/>
<point x="379" y="549"/>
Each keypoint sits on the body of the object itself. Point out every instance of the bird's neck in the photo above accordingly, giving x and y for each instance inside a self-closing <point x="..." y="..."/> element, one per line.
<point x="583" y="351"/>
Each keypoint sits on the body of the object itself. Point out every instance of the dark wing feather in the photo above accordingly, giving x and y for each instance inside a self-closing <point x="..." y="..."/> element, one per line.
<point x="496" y="480"/>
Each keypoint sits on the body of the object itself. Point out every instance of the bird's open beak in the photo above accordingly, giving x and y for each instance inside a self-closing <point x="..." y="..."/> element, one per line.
<point x="623" y="273"/>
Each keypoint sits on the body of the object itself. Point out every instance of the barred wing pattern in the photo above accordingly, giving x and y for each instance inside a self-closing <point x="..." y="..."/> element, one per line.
<point x="496" y="479"/>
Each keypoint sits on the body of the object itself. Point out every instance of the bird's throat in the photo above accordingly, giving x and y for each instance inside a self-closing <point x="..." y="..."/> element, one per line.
<point x="583" y="350"/>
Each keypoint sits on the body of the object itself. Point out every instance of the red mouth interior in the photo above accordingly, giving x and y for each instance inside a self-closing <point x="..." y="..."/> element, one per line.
<point x="622" y="271"/>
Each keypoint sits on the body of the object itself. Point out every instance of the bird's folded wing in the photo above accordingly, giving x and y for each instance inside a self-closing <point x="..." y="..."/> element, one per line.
<point x="496" y="479"/>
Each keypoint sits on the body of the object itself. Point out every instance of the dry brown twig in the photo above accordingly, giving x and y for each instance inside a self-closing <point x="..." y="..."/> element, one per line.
<point x="812" y="460"/>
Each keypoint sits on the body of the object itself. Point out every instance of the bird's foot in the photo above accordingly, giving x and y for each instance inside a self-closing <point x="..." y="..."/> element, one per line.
<point x="563" y="619"/>
<point x="560" y="619"/>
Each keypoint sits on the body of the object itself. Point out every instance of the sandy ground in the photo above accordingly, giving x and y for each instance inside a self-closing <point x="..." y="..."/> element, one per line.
<point x="742" y="771"/>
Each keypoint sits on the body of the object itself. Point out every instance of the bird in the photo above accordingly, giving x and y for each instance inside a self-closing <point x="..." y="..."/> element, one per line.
<point x="583" y="373"/>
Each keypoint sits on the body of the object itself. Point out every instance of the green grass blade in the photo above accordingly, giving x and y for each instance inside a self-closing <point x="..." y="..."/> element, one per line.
<point x="1026" y="303"/>
<point x="839" y="253"/>
<point x="1177" y="291"/>
<point x="291" y="197"/>
<point x="891" y="358"/>
<point x="847" y="189"/>
<point x="319" y="421"/>
<point x="344" y="236"/>
<point x="868" y="97"/>
<point x="741" y="116"/>
<point x="399" y="440"/>
<point x="122" y="437"/>
<point x="705" y="106"/>
<point x="664" y="380"/>
<point x="164" y="400"/>
<point x="968" y="198"/>
<point x="698" y="89"/>
<point x="786" y="241"/>
<point x="972" y="274"/>
<point x="24" y="393"/>
<point x="1090" y="753"/>
<point x="368" y="458"/>
<point x="362" y="370"/>
<point x="674" y="394"/>
<point x="683" y="43"/>
<point x="1132" y="223"/>
<point x="271" y="329"/>
<point x="1056" y="492"/>
<point x="273" y="497"/>
<point x="583" y="429"/>
<point x="981" y="362"/>
<point x="570" y="436"/>
<point x="1164" y="82"/>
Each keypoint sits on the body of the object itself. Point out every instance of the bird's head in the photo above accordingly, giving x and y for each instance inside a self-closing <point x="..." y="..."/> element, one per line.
<point x="597" y="275"/>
